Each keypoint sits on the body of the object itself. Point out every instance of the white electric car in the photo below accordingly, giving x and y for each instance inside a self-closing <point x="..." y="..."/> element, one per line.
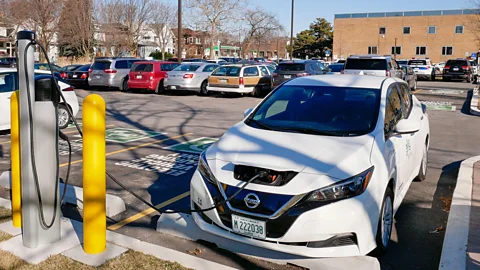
<point x="336" y="155"/>
<point x="9" y="83"/>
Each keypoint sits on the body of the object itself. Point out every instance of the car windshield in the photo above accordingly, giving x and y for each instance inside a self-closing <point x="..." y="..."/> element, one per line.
<point x="291" y="67"/>
<point x="186" y="67"/>
<point x="456" y="63"/>
<point x="336" y="68"/>
<point x="227" y="71"/>
<point x="320" y="110"/>
<point x="101" y="65"/>
<point x="402" y="62"/>
<point x="366" y="64"/>
<point x="417" y="62"/>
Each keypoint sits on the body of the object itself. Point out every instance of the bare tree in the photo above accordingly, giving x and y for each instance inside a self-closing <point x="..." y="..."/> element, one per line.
<point x="261" y="24"/>
<point x="135" y="13"/>
<point x="164" y="16"/>
<point x="110" y="33"/>
<point x="76" y="26"/>
<point x="215" y="15"/>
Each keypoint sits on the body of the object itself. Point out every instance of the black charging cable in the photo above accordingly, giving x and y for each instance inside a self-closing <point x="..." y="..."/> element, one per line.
<point x="261" y="174"/>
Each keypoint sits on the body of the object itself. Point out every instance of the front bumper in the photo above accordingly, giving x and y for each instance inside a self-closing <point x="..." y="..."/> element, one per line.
<point x="455" y="75"/>
<point x="311" y="233"/>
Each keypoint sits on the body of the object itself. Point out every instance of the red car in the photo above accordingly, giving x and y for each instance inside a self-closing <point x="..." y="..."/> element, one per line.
<point x="149" y="75"/>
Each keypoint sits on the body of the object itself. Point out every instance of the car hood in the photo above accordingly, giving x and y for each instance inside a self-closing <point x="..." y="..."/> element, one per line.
<point x="337" y="157"/>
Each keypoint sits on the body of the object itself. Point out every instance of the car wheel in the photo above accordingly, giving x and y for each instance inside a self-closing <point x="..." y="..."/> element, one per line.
<point x="423" y="166"/>
<point x="203" y="89"/>
<point x="124" y="85"/>
<point x="385" y="224"/>
<point x="257" y="91"/>
<point x="160" y="88"/>
<point x="414" y="85"/>
<point x="63" y="116"/>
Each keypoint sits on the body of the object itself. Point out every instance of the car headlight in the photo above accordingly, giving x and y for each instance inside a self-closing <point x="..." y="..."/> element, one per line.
<point x="350" y="187"/>
<point x="204" y="169"/>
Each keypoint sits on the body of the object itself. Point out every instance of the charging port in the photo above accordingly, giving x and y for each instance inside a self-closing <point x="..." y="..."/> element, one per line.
<point x="272" y="178"/>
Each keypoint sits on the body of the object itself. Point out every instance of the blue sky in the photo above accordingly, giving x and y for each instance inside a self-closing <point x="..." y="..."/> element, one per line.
<point x="306" y="11"/>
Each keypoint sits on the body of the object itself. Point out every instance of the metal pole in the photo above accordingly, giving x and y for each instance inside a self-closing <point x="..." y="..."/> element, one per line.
<point x="180" y="32"/>
<point x="291" y="31"/>
<point x="395" y="51"/>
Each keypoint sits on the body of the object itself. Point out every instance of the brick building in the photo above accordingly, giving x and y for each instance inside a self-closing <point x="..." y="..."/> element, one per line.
<point x="439" y="35"/>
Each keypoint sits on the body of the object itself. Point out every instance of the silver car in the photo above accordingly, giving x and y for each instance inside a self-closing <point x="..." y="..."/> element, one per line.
<point x="110" y="72"/>
<point x="375" y="65"/>
<point x="190" y="76"/>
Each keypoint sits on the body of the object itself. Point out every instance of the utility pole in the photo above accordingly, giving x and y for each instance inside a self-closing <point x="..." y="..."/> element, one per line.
<point x="180" y="32"/>
<point x="291" y="31"/>
<point x="395" y="51"/>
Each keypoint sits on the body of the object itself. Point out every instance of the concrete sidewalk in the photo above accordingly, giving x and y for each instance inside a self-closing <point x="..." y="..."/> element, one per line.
<point x="473" y="247"/>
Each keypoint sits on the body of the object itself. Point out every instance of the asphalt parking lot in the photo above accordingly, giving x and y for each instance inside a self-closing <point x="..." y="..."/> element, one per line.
<point x="170" y="131"/>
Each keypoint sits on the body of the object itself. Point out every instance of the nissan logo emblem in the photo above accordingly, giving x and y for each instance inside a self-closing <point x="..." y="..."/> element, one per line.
<point x="252" y="200"/>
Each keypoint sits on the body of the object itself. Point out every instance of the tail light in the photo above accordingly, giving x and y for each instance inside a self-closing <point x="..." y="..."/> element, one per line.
<point x="303" y="74"/>
<point x="84" y="76"/>
<point x="465" y="67"/>
<point x="241" y="81"/>
<point x="110" y="71"/>
<point x="388" y="73"/>
<point x="151" y="78"/>
<point x="63" y="75"/>
<point x="68" y="89"/>
<point x="446" y="67"/>
<point x="89" y="70"/>
<point x="188" y="76"/>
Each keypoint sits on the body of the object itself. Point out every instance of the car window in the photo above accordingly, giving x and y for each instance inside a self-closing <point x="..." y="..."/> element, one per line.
<point x="320" y="110"/>
<point x="209" y="68"/>
<point x="232" y="71"/>
<point x="291" y="67"/>
<point x="263" y="70"/>
<point x="121" y="64"/>
<point x="395" y="65"/>
<point x="456" y="63"/>
<point x="366" y="64"/>
<point x="148" y="68"/>
<point x="169" y="67"/>
<point x="250" y="72"/>
<point x="406" y="99"/>
<point x="83" y="68"/>
<point x="393" y="110"/>
<point x="131" y="62"/>
<point x="271" y="69"/>
<point x="321" y="66"/>
<point x="101" y="65"/>
<point x="336" y="68"/>
<point x="417" y="62"/>
<point x="8" y="82"/>
<point x="138" y="67"/>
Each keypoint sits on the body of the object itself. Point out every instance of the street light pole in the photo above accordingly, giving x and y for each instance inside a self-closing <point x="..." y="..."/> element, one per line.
<point x="291" y="32"/>
<point x="180" y="32"/>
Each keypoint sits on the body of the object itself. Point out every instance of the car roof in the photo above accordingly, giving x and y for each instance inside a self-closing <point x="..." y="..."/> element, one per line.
<point x="370" y="56"/>
<point x="343" y="80"/>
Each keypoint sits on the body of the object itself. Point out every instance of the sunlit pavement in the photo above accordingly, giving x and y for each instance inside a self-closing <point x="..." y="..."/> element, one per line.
<point x="147" y="137"/>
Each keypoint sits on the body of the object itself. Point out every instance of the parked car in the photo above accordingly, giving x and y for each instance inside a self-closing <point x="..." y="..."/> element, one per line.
<point x="9" y="83"/>
<point x="423" y="68"/>
<point x="439" y="68"/>
<point x="70" y="67"/>
<point x="110" y="72"/>
<point x="410" y="77"/>
<point x="193" y="60"/>
<point x="376" y="65"/>
<point x="474" y="66"/>
<point x="231" y="60"/>
<point x="458" y="69"/>
<point x="335" y="68"/>
<point x="330" y="159"/>
<point x="402" y="62"/>
<point x="237" y="78"/>
<point x="78" y="77"/>
<point x="288" y="70"/>
<point x="217" y="61"/>
<point x="342" y="61"/>
<point x="191" y="77"/>
<point x="45" y="66"/>
<point x="149" y="75"/>
<point x="8" y="62"/>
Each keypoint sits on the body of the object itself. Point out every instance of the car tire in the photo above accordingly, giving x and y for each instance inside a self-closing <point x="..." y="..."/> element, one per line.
<point x="257" y="91"/>
<point x="124" y="87"/>
<point x="385" y="224"/>
<point x="203" y="89"/>
<point x="422" y="172"/>
<point x="414" y="85"/>
<point x="469" y="79"/>
<point x="160" y="88"/>
<point x="63" y="116"/>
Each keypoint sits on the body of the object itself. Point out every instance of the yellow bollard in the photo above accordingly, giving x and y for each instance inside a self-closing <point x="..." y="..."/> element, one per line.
<point x="15" y="161"/>
<point x="94" y="175"/>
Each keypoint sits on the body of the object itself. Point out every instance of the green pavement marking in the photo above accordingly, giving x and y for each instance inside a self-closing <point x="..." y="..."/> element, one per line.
<point x="71" y="125"/>
<point x="441" y="107"/>
<point x="195" y="146"/>
<point x="125" y="135"/>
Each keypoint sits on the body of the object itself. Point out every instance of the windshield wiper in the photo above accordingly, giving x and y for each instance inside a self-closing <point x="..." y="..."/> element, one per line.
<point x="258" y="123"/>
<point x="313" y="131"/>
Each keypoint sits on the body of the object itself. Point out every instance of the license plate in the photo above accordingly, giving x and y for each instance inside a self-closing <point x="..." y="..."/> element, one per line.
<point x="287" y="76"/>
<point x="223" y="81"/>
<point x="416" y="69"/>
<point x="97" y="77"/>
<point x="139" y="76"/>
<point x="173" y="87"/>
<point x="249" y="227"/>
<point x="455" y="69"/>
<point x="74" y="76"/>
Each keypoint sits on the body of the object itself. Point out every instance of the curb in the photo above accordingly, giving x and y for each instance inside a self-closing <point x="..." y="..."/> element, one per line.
<point x="114" y="204"/>
<point x="474" y="103"/>
<point x="454" y="251"/>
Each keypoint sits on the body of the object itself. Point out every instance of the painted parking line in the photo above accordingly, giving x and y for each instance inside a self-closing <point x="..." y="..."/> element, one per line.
<point x="195" y="146"/>
<point x="132" y="148"/>
<point x="439" y="105"/>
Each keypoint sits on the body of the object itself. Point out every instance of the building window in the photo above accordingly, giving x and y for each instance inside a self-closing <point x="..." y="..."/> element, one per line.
<point x="421" y="50"/>
<point x="406" y="30"/>
<point x="447" y="50"/>
<point x="372" y="50"/>
<point x="459" y="29"/>
<point x="197" y="41"/>
<point x="190" y="40"/>
<point x="396" y="50"/>
<point x="382" y="30"/>
<point x="432" y="29"/>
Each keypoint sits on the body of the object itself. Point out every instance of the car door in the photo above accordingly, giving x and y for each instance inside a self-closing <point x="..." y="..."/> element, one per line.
<point x="266" y="79"/>
<point x="396" y="149"/>
<point x="251" y="76"/>
<point x="8" y="84"/>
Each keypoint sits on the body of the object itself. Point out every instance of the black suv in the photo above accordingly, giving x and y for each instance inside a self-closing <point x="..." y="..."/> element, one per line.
<point x="458" y="69"/>
<point x="288" y="70"/>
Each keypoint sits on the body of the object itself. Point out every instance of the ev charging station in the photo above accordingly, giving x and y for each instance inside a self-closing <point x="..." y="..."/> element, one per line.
<point x="38" y="129"/>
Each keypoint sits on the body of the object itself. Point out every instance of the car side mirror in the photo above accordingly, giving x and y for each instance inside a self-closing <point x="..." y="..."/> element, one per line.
<point x="247" y="112"/>
<point x="407" y="126"/>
